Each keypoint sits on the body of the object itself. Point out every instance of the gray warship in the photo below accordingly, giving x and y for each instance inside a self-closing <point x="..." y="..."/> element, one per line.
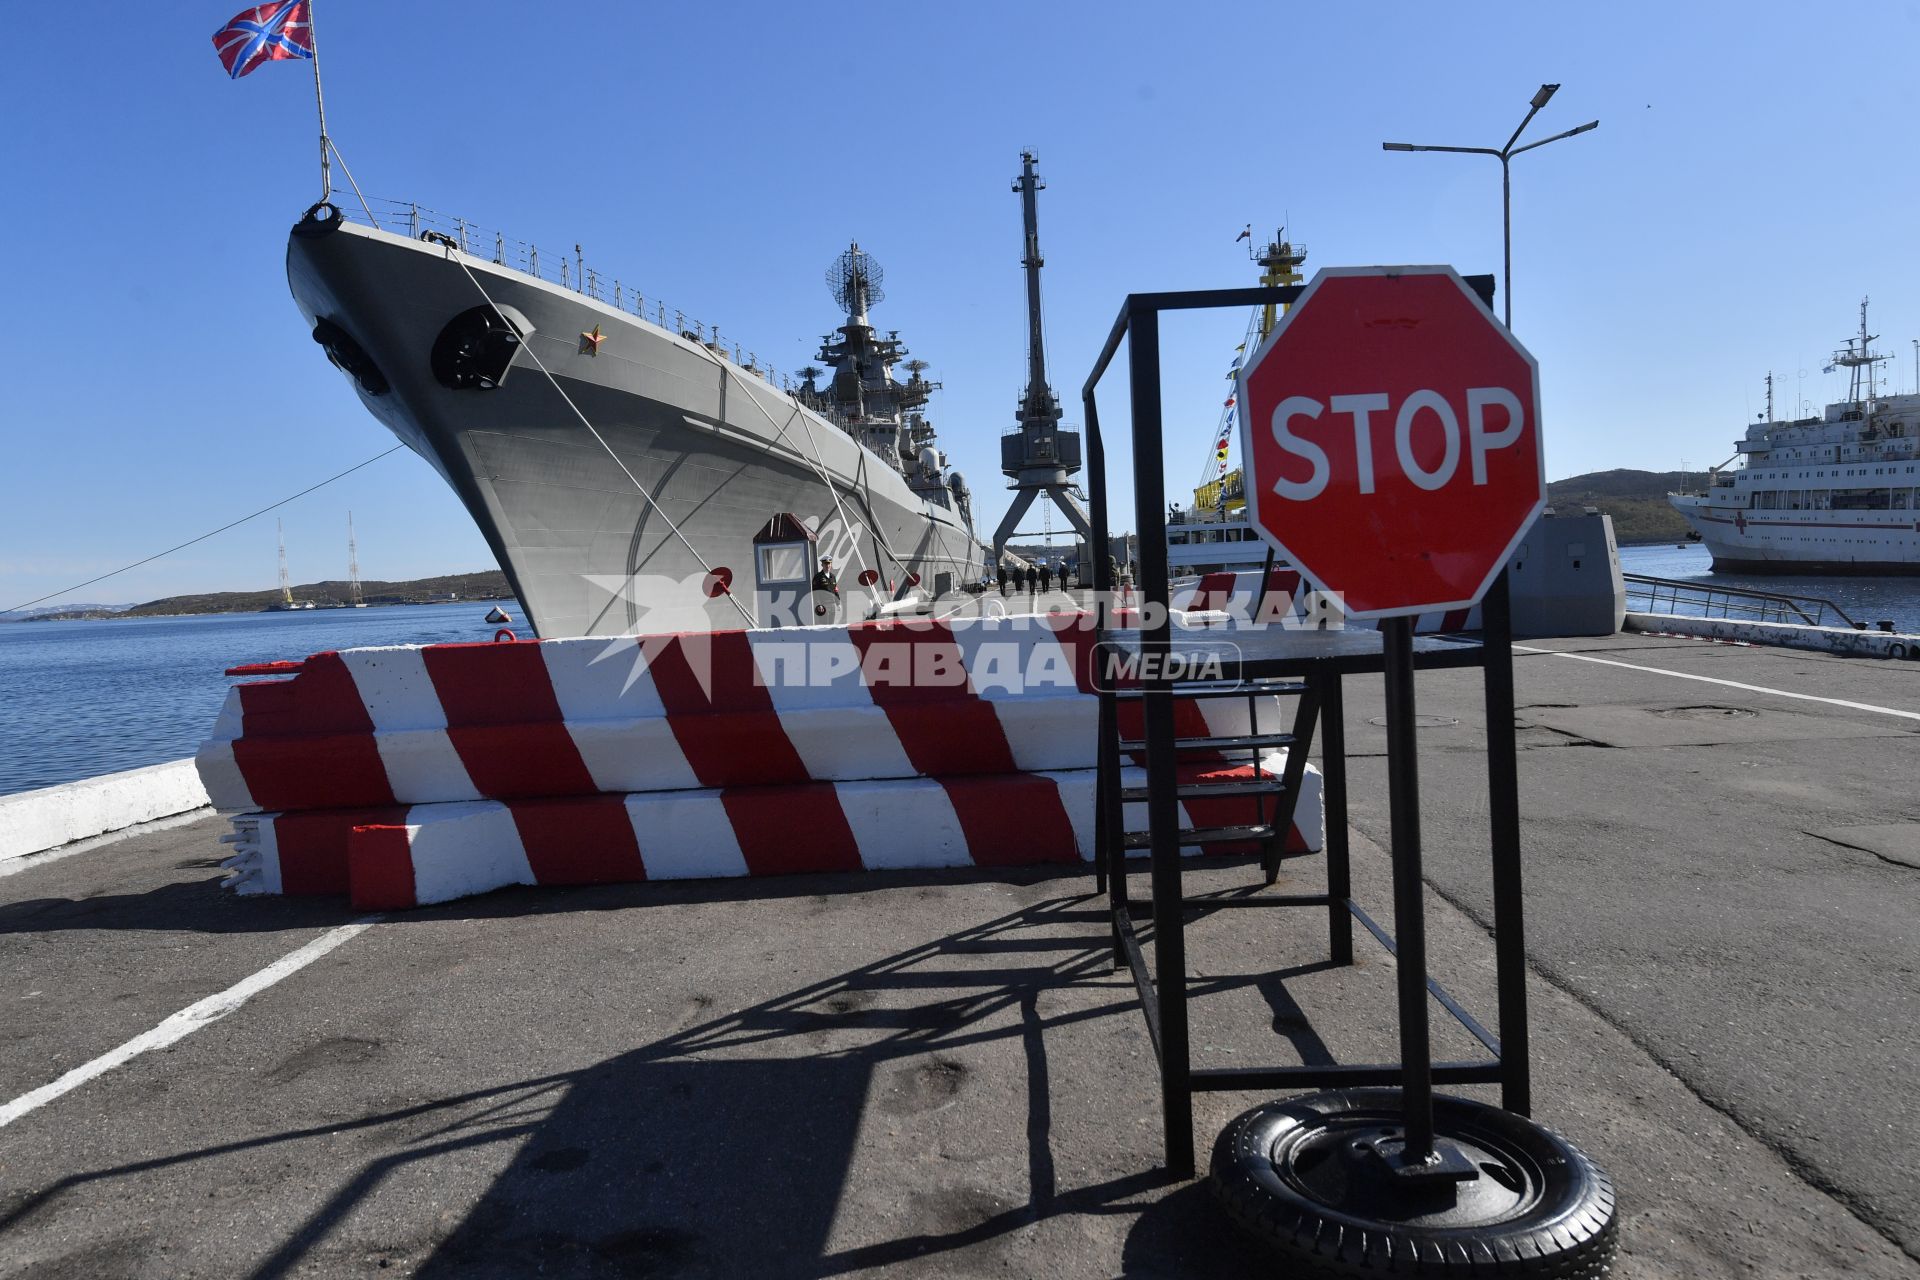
<point x="618" y="463"/>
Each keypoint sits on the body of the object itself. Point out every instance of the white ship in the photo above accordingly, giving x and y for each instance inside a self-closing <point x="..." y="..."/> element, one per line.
<point x="618" y="457"/>
<point x="1217" y="538"/>
<point x="1832" y="494"/>
<point x="1216" y="534"/>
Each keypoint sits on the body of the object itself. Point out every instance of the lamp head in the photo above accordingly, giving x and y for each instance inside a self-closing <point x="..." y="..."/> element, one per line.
<point x="1396" y="146"/>
<point x="1546" y="91"/>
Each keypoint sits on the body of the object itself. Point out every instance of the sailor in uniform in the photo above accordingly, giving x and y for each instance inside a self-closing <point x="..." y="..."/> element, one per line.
<point x="826" y="593"/>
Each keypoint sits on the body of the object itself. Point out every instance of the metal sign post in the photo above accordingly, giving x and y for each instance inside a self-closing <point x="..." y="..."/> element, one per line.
<point x="1394" y="460"/>
<point x="1409" y="905"/>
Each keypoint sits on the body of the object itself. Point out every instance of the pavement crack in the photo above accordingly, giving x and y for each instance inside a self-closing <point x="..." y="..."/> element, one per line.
<point x="1887" y="858"/>
<point x="1572" y="739"/>
<point x="1797" y="1164"/>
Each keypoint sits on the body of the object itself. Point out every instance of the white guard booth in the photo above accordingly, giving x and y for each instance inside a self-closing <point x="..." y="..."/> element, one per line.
<point x="783" y="563"/>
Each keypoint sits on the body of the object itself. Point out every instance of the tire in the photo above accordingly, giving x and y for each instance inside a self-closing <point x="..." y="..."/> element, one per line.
<point x="1288" y="1173"/>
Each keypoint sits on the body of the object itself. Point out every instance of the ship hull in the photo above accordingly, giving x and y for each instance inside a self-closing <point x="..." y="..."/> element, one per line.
<point x="707" y="452"/>
<point x="1818" y="543"/>
<point x="1726" y="563"/>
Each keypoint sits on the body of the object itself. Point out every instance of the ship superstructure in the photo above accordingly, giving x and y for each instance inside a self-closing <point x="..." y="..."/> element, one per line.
<point x="617" y="458"/>
<point x="1834" y="493"/>
<point x="864" y="398"/>
<point x="1216" y="533"/>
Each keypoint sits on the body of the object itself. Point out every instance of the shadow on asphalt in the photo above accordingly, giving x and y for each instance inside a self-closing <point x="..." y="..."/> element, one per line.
<point x="202" y="906"/>
<point x="185" y="906"/>
<point x="685" y="1158"/>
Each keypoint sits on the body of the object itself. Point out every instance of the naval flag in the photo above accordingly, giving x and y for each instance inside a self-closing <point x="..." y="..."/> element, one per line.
<point x="265" y="33"/>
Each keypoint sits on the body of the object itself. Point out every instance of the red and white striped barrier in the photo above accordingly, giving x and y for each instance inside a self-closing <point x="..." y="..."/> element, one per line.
<point x="1239" y="596"/>
<point x="398" y="856"/>
<point x="442" y="723"/>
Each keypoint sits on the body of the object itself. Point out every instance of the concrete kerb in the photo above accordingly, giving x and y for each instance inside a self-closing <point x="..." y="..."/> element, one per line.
<point x="1844" y="641"/>
<point x="36" y="821"/>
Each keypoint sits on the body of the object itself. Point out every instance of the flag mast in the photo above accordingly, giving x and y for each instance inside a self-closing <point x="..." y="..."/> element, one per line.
<point x="320" y="103"/>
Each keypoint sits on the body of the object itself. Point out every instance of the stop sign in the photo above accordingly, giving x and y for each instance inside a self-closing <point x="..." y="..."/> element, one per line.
<point x="1391" y="431"/>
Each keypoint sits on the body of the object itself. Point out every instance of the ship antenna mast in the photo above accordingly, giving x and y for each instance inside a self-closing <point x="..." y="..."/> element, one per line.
<point x="1769" y="395"/>
<point x="1279" y="261"/>
<point x="1279" y="265"/>
<point x="1864" y="340"/>
<point x="353" y="567"/>
<point x="854" y="280"/>
<point x="286" y="586"/>
<point x="1854" y="359"/>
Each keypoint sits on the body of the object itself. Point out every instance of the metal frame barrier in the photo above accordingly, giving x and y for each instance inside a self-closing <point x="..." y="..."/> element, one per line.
<point x="1684" y="599"/>
<point x="1313" y="664"/>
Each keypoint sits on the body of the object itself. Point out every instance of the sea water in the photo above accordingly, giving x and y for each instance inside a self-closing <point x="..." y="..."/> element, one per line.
<point x="1865" y="600"/>
<point x="83" y="698"/>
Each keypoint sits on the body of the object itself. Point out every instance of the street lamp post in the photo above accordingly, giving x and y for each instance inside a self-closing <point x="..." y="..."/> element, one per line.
<point x="1505" y="156"/>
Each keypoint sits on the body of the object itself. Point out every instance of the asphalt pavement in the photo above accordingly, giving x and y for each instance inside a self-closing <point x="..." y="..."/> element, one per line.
<point x="1730" y="875"/>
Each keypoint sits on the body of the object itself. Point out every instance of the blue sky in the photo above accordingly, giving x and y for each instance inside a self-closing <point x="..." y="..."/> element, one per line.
<point x="1751" y="179"/>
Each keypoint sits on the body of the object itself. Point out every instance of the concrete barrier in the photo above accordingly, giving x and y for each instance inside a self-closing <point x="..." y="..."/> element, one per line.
<point x="34" y="821"/>
<point x="402" y="856"/>
<point x="551" y="718"/>
<point x="1844" y="641"/>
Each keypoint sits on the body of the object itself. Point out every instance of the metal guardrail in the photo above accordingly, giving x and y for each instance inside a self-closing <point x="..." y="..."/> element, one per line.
<point x="1681" y="598"/>
<point x="569" y="271"/>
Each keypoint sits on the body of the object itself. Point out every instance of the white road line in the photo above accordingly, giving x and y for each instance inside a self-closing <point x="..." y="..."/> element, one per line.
<point x="1731" y="684"/>
<point x="185" y="1022"/>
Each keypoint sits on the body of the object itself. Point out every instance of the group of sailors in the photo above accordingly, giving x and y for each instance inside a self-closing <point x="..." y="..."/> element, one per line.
<point x="824" y="595"/>
<point x="1035" y="578"/>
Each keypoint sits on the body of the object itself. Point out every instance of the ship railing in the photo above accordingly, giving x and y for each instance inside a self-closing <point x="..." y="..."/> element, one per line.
<point x="569" y="271"/>
<point x="1678" y="597"/>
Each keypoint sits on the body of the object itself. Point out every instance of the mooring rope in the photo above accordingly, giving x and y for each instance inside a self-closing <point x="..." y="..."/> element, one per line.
<point x="591" y="430"/>
<point x="818" y="463"/>
<point x="203" y="537"/>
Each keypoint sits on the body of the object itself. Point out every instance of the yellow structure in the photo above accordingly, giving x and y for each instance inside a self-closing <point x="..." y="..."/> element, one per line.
<point x="1208" y="496"/>
<point x="1279" y="265"/>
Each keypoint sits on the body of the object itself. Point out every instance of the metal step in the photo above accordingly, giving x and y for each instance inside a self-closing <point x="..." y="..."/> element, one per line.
<point x="1244" y="741"/>
<point x="1224" y="689"/>
<point x="1222" y="789"/>
<point x="1202" y="835"/>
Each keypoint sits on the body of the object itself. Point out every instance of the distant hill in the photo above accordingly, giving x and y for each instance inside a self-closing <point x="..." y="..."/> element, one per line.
<point x="91" y="610"/>
<point x="488" y="585"/>
<point x="1637" y="501"/>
